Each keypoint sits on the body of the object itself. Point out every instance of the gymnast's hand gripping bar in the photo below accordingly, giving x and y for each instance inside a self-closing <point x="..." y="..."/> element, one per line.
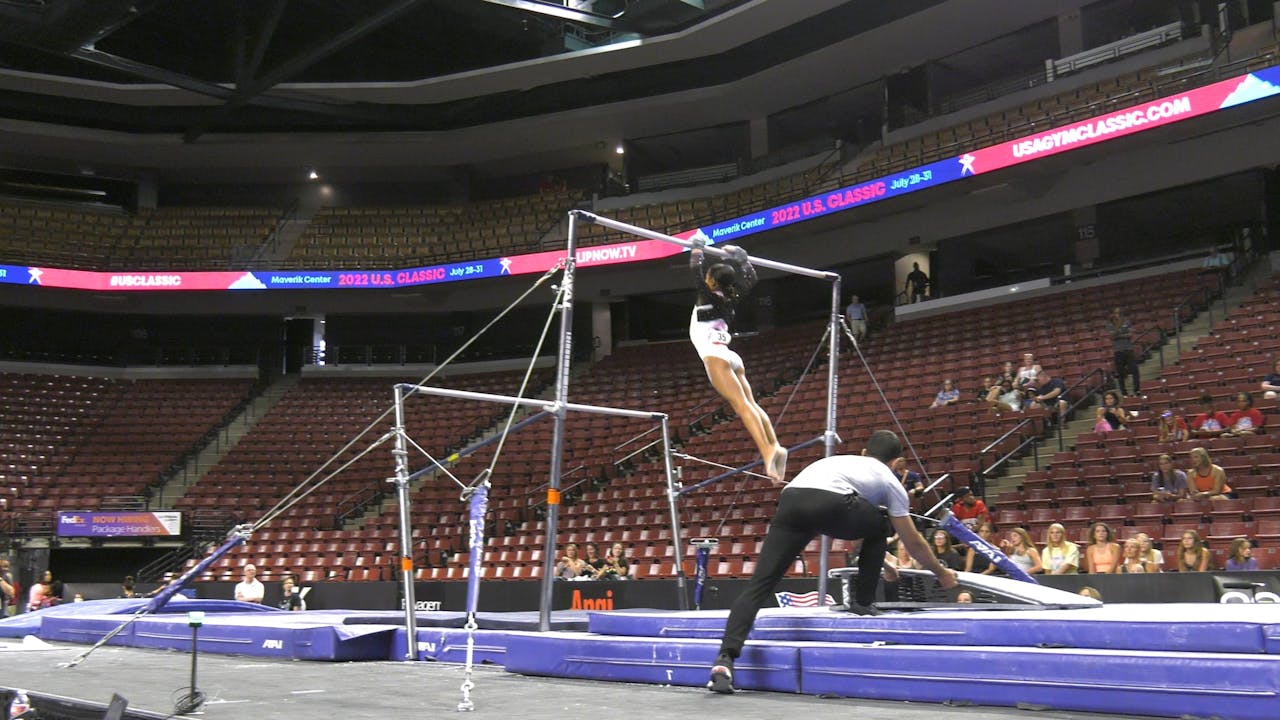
<point x="709" y="249"/>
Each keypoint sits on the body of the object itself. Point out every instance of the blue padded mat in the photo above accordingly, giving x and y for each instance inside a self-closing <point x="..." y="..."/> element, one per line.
<point x="1239" y="687"/>
<point x="29" y="623"/>
<point x="567" y="620"/>
<point x="1173" y="627"/>
<point x="762" y="666"/>
<point x="450" y="645"/>
<point x="299" y="636"/>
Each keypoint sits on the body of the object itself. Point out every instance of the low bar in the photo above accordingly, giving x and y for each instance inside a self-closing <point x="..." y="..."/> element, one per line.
<point x="713" y="250"/>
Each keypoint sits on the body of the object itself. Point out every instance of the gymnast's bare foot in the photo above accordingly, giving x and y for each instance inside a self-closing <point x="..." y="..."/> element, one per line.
<point x="777" y="465"/>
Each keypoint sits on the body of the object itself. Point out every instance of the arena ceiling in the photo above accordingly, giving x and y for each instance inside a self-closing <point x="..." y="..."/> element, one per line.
<point x="205" y="89"/>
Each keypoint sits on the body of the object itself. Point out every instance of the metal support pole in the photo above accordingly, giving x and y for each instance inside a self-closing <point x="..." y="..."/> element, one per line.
<point x="673" y="494"/>
<point x="829" y="437"/>
<point x="557" y="438"/>
<point x="401" y="453"/>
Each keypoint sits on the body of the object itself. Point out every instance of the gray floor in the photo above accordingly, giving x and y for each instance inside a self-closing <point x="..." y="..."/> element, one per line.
<point x="243" y="687"/>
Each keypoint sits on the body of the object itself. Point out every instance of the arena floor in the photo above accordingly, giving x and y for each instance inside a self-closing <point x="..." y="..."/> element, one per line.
<point x="243" y="687"/>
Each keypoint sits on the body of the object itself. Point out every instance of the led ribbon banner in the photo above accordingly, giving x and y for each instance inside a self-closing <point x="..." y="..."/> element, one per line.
<point x="1129" y="121"/>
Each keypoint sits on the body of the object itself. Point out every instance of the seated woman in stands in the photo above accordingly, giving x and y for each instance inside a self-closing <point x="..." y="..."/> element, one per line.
<point x="940" y="544"/>
<point x="1193" y="556"/>
<point x="1167" y="482"/>
<point x="1210" y="422"/>
<point x="948" y="395"/>
<point x="570" y="566"/>
<point x="1133" y="561"/>
<point x="1060" y="555"/>
<point x="1246" y="420"/>
<point x="1241" y="558"/>
<point x="976" y="562"/>
<point x="1208" y="481"/>
<point x="1115" y="415"/>
<point x="1100" y="424"/>
<point x="1005" y="397"/>
<point x="1102" y="556"/>
<point x="1171" y="427"/>
<point x="1150" y="553"/>
<point x="1029" y="371"/>
<point x="721" y="286"/>
<point x="616" y="566"/>
<point x="1022" y="551"/>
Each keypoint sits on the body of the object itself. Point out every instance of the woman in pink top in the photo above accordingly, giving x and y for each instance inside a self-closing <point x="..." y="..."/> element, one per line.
<point x="1103" y="554"/>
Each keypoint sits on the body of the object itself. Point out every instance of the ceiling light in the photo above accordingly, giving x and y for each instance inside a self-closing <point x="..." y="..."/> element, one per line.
<point x="313" y="175"/>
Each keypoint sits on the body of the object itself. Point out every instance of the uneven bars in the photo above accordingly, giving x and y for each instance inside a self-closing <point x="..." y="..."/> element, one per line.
<point x="743" y="468"/>
<point x="549" y="405"/>
<point x="717" y="252"/>
<point x="454" y="457"/>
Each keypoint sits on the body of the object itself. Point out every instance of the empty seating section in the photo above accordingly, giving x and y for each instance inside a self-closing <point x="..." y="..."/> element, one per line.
<point x="183" y="238"/>
<point x="429" y="234"/>
<point x="71" y="442"/>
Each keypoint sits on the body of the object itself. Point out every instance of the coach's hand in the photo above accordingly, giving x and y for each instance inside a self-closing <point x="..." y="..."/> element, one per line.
<point x="947" y="578"/>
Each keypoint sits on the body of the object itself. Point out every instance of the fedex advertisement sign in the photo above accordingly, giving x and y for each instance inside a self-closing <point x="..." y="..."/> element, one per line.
<point x="1121" y="123"/>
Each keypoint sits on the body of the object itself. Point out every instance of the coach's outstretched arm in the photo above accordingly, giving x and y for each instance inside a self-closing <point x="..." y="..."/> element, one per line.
<point x="919" y="549"/>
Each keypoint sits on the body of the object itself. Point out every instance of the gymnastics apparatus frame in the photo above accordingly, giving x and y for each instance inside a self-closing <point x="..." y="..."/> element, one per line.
<point x="558" y="410"/>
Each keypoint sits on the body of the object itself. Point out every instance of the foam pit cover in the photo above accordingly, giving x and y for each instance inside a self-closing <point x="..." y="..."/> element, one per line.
<point x="762" y="666"/>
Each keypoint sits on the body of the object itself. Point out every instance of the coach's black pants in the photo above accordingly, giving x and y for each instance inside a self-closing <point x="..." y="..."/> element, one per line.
<point x="804" y="513"/>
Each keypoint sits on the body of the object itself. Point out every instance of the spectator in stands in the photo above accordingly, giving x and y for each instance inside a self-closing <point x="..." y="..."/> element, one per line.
<point x="1167" y="482"/>
<point x="1022" y="551"/>
<point x="250" y="589"/>
<point x="8" y="591"/>
<point x="616" y="566"/>
<point x="976" y="562"/>
<point x="1246" y="420"/>
<point x="1241" y="557"/>
<point x="1114" y="412"/>
<point x="1216" y="260"/>
<point x="1170" y="427"/>
<point x="1102" y="555"/>
<point x="127" y="587"/>
<point x="948" y="395"/>
<point x="917" y="284"/>
<point x="964" y="597"/>
<point x="988" y="383"/>
<point x="968" y="509"/>
<point x="1007" y="372"/>
<point x="856" y="314"/>
<point x="1210" y="422"/>
<point x="1193" y="556"/>
<point x="1100" y="424"/>
<point x="55" y="588"/>
<point x="1028" y="372"/>
<point x="940" y="544"/>
<point x="38" y="597"/>
<point x="1271" y="383"/>
<point x="1005" y="397"/>
<point x="1132" y="560"/>
<point x="1060" y="556"/>
<point x="1207" y="481"/>
<point x="1149" y="552"/>
<point x="1126" y="361"/>
<point x="1050" y="394"/>
<point x="720" y="287"/>
<point x="1091" y="592"/>
<point x="291" y="595"/>
<point x="594" y="563"/>
<point x="911" y="480"/>
<point x="570" y="567"/>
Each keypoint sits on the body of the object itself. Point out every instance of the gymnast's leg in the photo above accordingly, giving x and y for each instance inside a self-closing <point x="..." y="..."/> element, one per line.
<point x="731" y="383"/>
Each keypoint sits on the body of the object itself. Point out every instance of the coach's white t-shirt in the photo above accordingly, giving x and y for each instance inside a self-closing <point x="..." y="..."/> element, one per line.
<point x="864" y="475"/>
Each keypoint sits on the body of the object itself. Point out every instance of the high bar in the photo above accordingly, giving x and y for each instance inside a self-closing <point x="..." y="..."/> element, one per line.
<point x="717" y="252"/>
<point x="548" y="405"/>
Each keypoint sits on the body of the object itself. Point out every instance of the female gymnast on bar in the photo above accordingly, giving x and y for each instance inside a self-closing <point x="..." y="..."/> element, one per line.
<point x="721" y="285"/>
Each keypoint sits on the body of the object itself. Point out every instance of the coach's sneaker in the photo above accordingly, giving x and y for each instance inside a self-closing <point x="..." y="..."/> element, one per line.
<point x="860" y="609"/>
<point x="722" y="676"/>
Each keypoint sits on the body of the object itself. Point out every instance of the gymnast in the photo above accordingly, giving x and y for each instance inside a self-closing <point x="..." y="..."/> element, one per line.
<point x="721" y="285"/>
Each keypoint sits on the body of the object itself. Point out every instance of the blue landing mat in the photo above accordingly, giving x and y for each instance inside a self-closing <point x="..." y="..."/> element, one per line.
<point x="566" y="620"/>
<point x="1230" y="687"/>
<point x="1171" y="627"/>
<point x="29" y="623"/>
<point x="450" y="645"/>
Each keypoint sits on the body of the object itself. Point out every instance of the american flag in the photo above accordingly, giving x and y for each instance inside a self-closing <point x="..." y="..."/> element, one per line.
<point x="808" y="599"/>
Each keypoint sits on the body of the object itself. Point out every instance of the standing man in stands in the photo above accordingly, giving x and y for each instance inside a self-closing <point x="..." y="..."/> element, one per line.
<point x="8" y="595"/>
<point x="1122" y="351"/>
<point x="850" y="497"/>
<point x="856" y="313"/>
<point x="917" y="283"/>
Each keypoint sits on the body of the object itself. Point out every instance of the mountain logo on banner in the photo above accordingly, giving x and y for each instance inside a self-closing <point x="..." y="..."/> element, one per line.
<point x="1250" y="89"/>
<point x="808" y="599"/>
<point x="247" y="281"/>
